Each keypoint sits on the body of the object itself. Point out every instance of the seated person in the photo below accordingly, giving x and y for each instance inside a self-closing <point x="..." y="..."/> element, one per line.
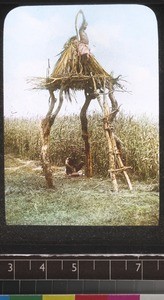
<point x="73" y="163"/>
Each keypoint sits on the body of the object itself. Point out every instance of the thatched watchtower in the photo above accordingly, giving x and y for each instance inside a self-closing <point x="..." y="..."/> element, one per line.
<point x="78" y="70"/>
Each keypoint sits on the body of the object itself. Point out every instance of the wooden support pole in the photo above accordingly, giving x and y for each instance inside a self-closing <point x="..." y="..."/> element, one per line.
<point x="112" y="98"/>
<point x="109" y="116"/>
<point x="45" y="159"/>
<point x="119" y="160"/>
<point x="110" y="145"/>
<point x="106" y="112"/>
<point x="112" y="165"/>
<point x="46" y="125"/>
<point x="121" y="165"/>
<point x="85" y="136"/>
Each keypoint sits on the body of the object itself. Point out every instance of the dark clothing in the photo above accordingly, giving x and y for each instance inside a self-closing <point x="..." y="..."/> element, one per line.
<point x="73" y="164"/>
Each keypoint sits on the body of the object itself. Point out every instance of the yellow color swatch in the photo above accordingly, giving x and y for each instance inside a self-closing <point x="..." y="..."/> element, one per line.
<point x="58" y="297"/>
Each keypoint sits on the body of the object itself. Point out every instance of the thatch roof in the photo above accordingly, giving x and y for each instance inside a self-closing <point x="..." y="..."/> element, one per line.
<point x="76" y="71"/>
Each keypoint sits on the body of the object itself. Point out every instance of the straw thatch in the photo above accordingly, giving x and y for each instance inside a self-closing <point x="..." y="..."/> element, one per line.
<point x="76" y="72"/>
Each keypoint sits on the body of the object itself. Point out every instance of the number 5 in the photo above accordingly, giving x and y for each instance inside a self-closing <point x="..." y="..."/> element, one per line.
<point x="74" y="267"/>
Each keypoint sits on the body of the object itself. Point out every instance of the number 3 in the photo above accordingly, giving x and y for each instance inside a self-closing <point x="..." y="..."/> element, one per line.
<point x="10" y="267"/>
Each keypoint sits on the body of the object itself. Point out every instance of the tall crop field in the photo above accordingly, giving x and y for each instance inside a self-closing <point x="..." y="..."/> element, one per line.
<point x="140" y="139"/>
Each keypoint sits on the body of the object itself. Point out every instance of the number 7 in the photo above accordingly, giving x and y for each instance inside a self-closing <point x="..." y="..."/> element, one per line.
<point x="138" y="265"/>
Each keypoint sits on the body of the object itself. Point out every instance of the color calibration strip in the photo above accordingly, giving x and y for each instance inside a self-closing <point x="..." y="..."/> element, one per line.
<point x="82" y="297"/>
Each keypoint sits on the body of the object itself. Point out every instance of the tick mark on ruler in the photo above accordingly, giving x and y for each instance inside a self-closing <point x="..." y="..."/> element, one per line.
<point x="94" y="265"/>
<point x="126" y="265"/>
<point x="158" y="267"/>
<point x="30" y="265"/>
<point x="62" y="265"/>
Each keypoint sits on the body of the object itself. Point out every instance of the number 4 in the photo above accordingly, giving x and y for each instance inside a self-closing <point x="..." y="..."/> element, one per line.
<point x="42" y="267"/>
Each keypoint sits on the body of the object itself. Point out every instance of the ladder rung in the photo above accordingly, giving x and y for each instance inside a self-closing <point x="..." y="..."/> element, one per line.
<point x="119" y="170"/>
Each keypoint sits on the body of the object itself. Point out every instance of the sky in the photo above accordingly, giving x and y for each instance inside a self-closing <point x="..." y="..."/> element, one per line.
<point x="123" y="38"/>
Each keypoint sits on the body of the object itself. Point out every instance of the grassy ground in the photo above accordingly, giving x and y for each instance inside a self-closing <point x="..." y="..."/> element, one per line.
<point x="74" y="201"/>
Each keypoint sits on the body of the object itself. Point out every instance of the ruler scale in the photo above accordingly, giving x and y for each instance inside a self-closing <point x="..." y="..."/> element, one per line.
<point x="105" y="269"/>
<point x="63" y="274"/>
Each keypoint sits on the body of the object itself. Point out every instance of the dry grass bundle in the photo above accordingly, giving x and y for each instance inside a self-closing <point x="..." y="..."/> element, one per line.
<point x="76" y="71"/>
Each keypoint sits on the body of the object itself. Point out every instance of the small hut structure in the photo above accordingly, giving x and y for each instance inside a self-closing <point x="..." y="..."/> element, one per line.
<point x="78" y="70"/>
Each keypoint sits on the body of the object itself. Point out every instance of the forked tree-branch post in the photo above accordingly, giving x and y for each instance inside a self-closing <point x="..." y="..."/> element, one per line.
<point x="46" y="125"/>
<point x="85" y="135"/>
